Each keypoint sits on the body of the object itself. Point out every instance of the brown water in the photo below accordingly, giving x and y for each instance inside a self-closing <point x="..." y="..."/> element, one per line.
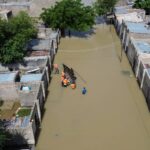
<point x="112" y="115"/>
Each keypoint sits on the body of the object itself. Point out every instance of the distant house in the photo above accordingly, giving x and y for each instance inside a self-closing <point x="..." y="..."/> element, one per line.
<point x="33" y="77"/>
<point x="137" y="49"/>
<point x="31" y="69"/>
<point x="27" y="97"/>
<point x="48" y="33"/>
<point x="26" y="93"/>
<point x="45" y="45"/>
<point x="30" y="93"/>
<point x="126" y="13"/>
<point x="30" y="64"/>
<point x="41" y="47"/>
<point x="22" y="122"/>
<point x="138" y="53"/>
<point x="41" y="62"/>
<point x="135" y="30"/>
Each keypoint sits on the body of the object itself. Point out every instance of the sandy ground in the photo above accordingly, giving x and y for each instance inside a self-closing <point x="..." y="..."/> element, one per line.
<point x="112" y="115"/>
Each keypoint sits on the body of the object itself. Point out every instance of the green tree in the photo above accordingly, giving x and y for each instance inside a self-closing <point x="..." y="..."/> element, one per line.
<point x="69" y="14"/>
<point x="104" y="6"/>
<point x="14" y="35"/>
<point x="8" y="139"/>
<point x="144" y="4"/>
<point x="3" y="138"/>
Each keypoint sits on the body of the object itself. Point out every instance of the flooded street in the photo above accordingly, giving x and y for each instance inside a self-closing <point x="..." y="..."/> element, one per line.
<point x="112" y="115"/>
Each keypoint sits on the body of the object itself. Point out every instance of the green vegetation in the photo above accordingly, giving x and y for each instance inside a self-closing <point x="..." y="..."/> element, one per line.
<point x="3" y="138"/>
<point x="24" y="112"/>
<point x="69" y="14"/>
<point x="144" y="4"/>
<point x="1" y="102"/>
<point x="104" y="6"/>
<point x="14" y="35"/>
<point x="6" y="137"/>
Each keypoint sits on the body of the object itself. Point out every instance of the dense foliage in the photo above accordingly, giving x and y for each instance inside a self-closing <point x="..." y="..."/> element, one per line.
<point x="104" y="6"/>
<point x="2" y="139"/>
<point x="14" y="35"/>
<point x="144" y="4"/>
<point x="69" y="14"/>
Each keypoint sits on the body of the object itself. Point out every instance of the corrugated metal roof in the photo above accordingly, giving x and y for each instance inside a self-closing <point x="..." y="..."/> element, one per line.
<point x="7" y="77"/>
<point x="31" y="77"/>
<point x="137" y="27"/>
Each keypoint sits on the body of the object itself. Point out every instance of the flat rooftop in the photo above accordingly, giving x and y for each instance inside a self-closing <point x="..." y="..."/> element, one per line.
<point x="28" y="63"/>
<point x="132" y="17"/>
<point x="39" y="44"/>
<point x="126" y="10"/>
<point x="35" y="61"/>
<point x="142" y="46"/>
<point x="137" y="27"/>
<point x="7" y="77"/>
<point x="31" y="77"/>
<point x="8" y="91"/>
<point x="47" y="33"/>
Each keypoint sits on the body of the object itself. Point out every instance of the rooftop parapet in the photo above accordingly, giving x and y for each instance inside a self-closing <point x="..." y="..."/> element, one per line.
<point x="29" y="63"/>
<point x="5" y="14"/>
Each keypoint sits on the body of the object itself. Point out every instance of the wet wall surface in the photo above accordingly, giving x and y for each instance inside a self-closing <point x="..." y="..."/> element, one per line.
<point x="112" y="115"/>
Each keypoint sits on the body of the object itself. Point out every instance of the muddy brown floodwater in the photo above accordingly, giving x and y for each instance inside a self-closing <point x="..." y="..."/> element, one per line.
<point x="112" y="115"/>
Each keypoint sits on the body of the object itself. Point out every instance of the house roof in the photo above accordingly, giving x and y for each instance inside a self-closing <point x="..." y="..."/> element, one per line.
<point x="8" y="77"/>
<point x="39" y="45"/>
<point x="141" y="46"/>
<point x="133" y="17"/>
<point x="121" y="10"/>
<point x="31" y="77"/>
<point x="38" y="53"/>
<point x="127" y="9"/>
<point x="8" y="91"/>
<point x="137" y="27"/>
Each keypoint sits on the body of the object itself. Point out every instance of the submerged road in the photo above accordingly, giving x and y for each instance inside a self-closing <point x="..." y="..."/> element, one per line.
<point x="112" y="115"/>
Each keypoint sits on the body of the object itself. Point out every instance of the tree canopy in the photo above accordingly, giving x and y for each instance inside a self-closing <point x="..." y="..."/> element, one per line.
<point x="14" y="35"/>
<point x="104" y="6"/>
<point x="3" y="138"/>
<point x="69" y="14"/>
<point x="144" y="4"/>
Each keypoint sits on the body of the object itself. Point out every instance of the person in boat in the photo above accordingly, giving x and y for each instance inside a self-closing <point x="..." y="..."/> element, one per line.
<point x="65" y="82"/>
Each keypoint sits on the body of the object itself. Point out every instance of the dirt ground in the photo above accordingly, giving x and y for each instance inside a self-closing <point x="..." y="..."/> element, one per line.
<point x="112" y="115"/>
